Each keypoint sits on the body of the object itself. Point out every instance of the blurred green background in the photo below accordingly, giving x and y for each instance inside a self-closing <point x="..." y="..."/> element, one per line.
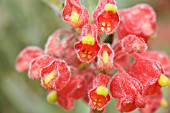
<point x="30" y="22"/>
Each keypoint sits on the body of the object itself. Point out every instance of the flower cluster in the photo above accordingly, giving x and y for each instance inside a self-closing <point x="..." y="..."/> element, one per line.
<point x="82" y="64"/>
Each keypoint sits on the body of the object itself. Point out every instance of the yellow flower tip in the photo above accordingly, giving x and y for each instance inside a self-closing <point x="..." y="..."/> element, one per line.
<point x="52" y="97"/>
<point x="105" y="57"/>
<point x="153" y="36"/>
<point x="163" y="103"/>
<point x="74" y="17"/>
<point x="102" y="90"/>
<point x="163" y="80"/>
<point x="49" y="77"/>
<point x="88" y="39"/>
<point x="111" y="7"/>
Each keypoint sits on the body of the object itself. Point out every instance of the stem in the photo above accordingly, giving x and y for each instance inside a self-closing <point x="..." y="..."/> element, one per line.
<point x="109" y="39"/>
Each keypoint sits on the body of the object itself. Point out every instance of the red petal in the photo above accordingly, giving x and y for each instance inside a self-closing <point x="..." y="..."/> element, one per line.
<point x="54" y="40"/>
<point x="161" y="57"/>
<point x="66" y="102"/>
<point x="98" y="101"/>
<point x="132" y="43"/>
<point x="106" y="21"/>
<point x="86" y="52"/>
<point x="26" y="56"/>
<point x="60" y="78"/>
<point x="110" y="53"/>
<point x="75" y="6"/>
<point x="152" y="103"/>
<point x="74" y="90"/>
<point x="139" y="20"/>
<point x="147" y="72"/>
<point x="128" y="90"/>
<point x="38" y="64"/>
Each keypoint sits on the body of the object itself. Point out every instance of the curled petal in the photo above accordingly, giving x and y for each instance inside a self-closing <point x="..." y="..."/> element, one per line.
<point x="106" y="17"/>
<point x="56" y="75"/>
<point x="132" y="43"/>
<point x="54" y="42"/>
<point x="147" y="71"/>
<point x="75" y="14"/>
<point x="105" y="57"/>
<point x="26" y="56"/>
<point x="75" y="89"/>
<point x="98" y="92"/>
<point x="139" y="20"/>
<point x="152" y="103"/>
<point x="38" y="64"/>
<point x="161" y="57"/>
<point x="87" y="48"/>
<point x="128" y="90"/>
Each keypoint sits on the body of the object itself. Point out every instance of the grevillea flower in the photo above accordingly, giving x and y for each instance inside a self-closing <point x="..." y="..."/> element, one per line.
<point x="105" y="57"/>
<point x="132" y="43"/>
<point x="56" y="75"/>
<point x="105" y="16"/>
<point x="128" y="90"/>
<point x="75" y="14"/>
<point x="153" y="102"/>
<point x="161" y="57"/>
<point x="75" y="89"/>
<point x="87" y="48"/>
<point x="98" y="93"/>
<point x="38" y="64"/>
<point x="78" y="65"/>
<point x="139" y="20"/>
<point x="26" y="56"/>
<point x="150" y="73"/>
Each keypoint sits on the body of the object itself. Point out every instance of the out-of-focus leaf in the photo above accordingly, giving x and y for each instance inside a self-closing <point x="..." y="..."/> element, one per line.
<point x="56" y="5"/>
<point x="90" y="5"/>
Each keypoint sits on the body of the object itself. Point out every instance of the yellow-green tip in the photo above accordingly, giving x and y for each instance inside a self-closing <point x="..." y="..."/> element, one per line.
<point x="52" y="97"/>
<point x="49" y="77"/>
<point x="163" y="80"/>
<point x="74" y="17"/>
<point x="110" y="7"/>
<point x="153" y="36"/>
<point x="163" y="103"/>
<point x="88" y="39"/>
<point x="105" y="57"/>
<point x="102" y="90"/>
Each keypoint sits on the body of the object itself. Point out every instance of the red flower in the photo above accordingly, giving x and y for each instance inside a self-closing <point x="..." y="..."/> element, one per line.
<point x="139" y="20"/>
<point x="38" y="64"/>
<point x="105" y="57"/>
<point x="87" y="49"/>
<point x="132" y="43"/>
<point x="60" y="48"/>
<point x="105" y="16"/>
<point x="56" y="75"/>
<point x="26" y="56"/>
<point x="152" y="103"/>
<point x="53" y="44"/>
<point x="128" y="90"/>
<point x="75" y="89"/>
<point x="98" y="93"/>
<point x="148" y="72"/>
<point x="161" y="57"/>
<point x="75" y="14"/>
